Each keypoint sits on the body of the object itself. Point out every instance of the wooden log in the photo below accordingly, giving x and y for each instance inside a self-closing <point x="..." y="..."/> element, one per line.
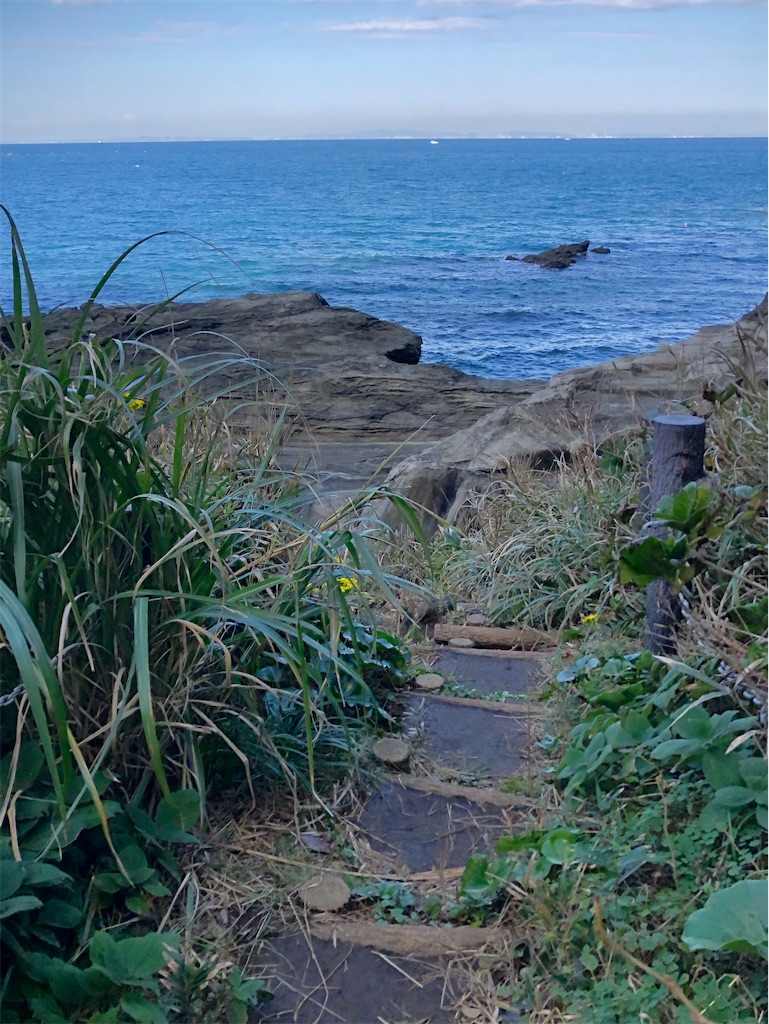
<point x="678" y="455"/>
<point x="494" y="636"/>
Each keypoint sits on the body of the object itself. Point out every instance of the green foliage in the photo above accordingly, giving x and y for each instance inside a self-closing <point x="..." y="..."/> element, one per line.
<point x="540" y="547"/>
<point x="734" y="918"/>
<point x="169" y="624"/>
<point x="392" y="902"/>
<point x="664" y="808"/>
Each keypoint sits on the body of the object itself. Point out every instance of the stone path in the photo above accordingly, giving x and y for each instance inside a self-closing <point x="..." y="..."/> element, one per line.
<point x="419" y="827"/>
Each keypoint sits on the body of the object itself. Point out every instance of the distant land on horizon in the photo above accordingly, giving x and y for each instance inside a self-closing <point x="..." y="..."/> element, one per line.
<point x="383" y="135"/>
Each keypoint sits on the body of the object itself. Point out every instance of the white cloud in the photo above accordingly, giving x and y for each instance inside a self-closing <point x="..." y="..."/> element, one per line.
<point x="618" y="4"/>
<point x="402" y="26"/>
<point x="183" y="31"/>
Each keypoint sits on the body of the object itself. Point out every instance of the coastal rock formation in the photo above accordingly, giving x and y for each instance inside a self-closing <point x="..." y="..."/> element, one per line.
<point x="560" y="258"/>
<point x="587" y="405"/>
<point x="344" y="375"/>
<point x="601" y="250"/>
<point x="284" y="330"/>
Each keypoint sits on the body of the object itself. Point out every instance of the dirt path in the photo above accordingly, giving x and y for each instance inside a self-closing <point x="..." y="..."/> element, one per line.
<point x="381" y="960"/>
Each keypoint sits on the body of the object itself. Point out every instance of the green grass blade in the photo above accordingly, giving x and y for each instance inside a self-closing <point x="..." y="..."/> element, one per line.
<point x="144" y="689"/>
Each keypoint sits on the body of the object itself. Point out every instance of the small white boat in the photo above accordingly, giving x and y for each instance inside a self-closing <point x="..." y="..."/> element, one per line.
<point x="433" y="142"/>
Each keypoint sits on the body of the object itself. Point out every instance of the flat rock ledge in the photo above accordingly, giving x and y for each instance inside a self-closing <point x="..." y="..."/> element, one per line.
<point x="344" y="375"/>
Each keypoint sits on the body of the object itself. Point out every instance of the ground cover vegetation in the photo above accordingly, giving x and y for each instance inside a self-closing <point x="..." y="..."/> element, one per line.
<point x="641" y="892"/>
<point x="173" y="635"/>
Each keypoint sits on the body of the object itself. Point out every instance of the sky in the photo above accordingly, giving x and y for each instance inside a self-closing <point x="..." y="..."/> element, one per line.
<point x="90" y="70"/>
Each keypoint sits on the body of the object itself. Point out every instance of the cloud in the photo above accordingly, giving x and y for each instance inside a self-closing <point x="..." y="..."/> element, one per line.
<point x="403" y="26"/>
<point x="164" y="31"/>
<point x="617" y="4"/>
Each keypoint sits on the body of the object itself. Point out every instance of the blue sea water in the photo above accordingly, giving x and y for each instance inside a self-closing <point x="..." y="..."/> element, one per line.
<point x="415" y="233"/>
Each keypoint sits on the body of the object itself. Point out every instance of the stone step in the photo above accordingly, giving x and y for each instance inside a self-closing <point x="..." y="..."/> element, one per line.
<point x="359" y="971"/>
<point x="476" y="738"/>
<point x="410" y="830"/>
<point x="517" y="672"/>
<point x="325" y="981"/>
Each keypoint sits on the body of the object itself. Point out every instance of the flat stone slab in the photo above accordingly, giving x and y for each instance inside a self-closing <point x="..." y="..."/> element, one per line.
<point x="488" y="673"/>
<point x="417" y="831"/>
<point x="479" y="738"/>
<point x="318" y="981"/>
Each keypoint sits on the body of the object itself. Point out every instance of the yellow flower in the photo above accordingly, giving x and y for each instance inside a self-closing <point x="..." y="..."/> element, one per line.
<point x="587" y="619"/>
<point x="346" y="584"/>
<point x="136" y="404"/>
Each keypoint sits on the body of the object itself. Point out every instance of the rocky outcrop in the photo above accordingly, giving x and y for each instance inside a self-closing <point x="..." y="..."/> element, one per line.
<point x="344" y="375"/>
<point x="560" y="258"/>
<point x="588" y="405"/>
<point x="283" y="330"/>
<point x="602" y="250"/>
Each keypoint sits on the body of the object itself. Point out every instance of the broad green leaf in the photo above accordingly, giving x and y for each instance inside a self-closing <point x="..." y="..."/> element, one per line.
<point x="733" y="797"/>
<point x="676" y="748"/>
<point x="733" y="919"/>
<point x="558" y="846"/>
<point x="695" y="724"/>
<point x="686" y="510"/>
<point x="131" y="961"/>
<point x="650" y="559"/>
<point x="179" y="810"/>
<point x="721" y="769"/>
<point x="12" y="876"/>
<point x="58" y="914"/>
<point x="39" y="873"/>
<point x="17" y="905"/>
<point x="142" y="1010"/>
<point x="754" y="772"/>
<point x="475" y="878"/>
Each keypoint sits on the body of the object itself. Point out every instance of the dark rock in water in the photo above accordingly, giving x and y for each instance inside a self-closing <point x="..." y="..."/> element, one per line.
<point x="601" y="250"/>
<point x="515" y="258"/>
<point x="559" y="258"/>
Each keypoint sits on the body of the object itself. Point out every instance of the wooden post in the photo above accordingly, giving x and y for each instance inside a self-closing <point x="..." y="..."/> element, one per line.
<point x="678" y="454"/>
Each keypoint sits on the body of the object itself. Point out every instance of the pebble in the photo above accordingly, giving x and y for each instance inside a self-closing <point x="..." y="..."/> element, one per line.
<point x="476" y="619"/>
<point x="391" y="750"/>
<point x="325" y="892"/>
<point x="461" y="641"/>
<point x="429" y="681"/>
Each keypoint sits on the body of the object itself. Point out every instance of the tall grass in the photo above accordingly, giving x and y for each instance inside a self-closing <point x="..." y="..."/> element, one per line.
<point x="166" y="608"/>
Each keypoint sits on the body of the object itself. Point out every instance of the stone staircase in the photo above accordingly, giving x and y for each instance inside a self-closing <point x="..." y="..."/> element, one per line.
<point x="418" y="827"/>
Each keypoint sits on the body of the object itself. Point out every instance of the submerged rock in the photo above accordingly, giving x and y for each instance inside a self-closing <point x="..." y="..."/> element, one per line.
<point x="561" y="257"/>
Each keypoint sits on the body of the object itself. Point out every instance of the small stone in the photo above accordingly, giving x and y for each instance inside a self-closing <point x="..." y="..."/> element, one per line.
<point x="325" y="892"/>
<point x="461" y="641"/>
<point x="476" y="619"/>
<point x="391" y="750"/>
<point x="429" y="681"/>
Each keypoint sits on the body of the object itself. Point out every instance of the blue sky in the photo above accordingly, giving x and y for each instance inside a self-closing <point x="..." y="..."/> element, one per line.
<point x="82" y="70"/>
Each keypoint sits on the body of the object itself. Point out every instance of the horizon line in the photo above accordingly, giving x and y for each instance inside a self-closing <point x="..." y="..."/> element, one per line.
<point x="508" y="137"/>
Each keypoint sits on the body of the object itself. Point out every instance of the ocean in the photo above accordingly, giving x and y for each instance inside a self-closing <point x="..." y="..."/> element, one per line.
<point x="413" y="232"/>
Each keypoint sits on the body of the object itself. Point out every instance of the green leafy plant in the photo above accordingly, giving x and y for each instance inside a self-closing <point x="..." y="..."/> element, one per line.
<point x="392" y="902"/>
<point x="734" y="919"/>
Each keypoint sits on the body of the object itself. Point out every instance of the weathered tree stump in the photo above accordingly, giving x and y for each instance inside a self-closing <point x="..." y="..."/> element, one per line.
<point x="677" y="459"/>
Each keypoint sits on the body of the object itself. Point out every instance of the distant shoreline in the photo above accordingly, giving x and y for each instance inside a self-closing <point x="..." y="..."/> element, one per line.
<point x="523" y="137"/>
